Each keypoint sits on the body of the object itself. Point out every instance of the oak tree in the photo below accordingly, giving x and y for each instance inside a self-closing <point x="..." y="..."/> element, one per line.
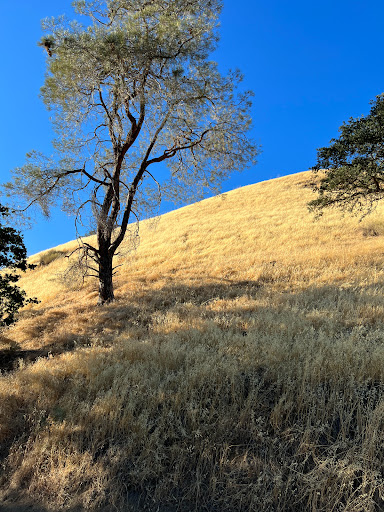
<point x="13" y="259"/>
<point x="133" y="88"/>
<point x="353" y="165"/>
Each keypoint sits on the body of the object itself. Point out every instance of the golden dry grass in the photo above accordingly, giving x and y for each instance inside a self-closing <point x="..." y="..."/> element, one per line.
<point x="240" y="368"/>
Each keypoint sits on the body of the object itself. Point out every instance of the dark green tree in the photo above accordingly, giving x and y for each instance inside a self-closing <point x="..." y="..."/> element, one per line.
<point x="13" y="258"/>
<point x="352" y="166"/>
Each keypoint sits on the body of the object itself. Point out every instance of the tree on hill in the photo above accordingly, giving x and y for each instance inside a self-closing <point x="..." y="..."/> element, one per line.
<point x="13" y="256"/>
<point x="353" y="164"/>
<point x="132" y="89"/>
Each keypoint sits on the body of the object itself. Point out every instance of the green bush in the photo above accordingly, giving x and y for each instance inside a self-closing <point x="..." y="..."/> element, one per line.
<point x="13" y="259"/>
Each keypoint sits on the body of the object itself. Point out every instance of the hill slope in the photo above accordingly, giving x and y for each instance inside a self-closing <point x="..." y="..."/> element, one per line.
<point x="240" y="368"/>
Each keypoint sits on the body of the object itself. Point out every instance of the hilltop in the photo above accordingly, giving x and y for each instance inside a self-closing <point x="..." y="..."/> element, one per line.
<point x="240" y="368"/>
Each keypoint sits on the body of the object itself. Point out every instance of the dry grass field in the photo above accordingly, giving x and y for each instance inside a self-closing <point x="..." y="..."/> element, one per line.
<point x="241" y="367"/>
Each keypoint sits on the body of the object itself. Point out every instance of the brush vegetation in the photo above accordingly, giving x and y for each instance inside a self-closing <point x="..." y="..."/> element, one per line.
<point x="240" y="368"/>
<point x="48" y="256"/>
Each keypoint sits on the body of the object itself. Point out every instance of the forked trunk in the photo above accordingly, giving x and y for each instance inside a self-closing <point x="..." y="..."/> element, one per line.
<point x="105" y="279"/>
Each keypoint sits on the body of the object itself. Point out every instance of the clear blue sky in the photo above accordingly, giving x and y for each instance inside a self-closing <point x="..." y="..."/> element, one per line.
<point x="312" y="65"/>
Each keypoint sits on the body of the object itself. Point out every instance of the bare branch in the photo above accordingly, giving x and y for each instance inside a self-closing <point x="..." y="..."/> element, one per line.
<point x="110" y="124"/>
<point x="157" y="183"/>
<point x="169" y="153"/>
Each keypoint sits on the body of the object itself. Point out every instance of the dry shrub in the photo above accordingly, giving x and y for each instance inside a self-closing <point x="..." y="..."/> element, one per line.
<point x="7" y="343"/>
<point x="47" y="257"/>
<point x="373" y="227"/>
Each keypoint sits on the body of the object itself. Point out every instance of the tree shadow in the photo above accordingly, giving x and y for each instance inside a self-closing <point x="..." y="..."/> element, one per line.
<point x="107" y="322"/>
<point x="135" y="312"/>
<point x="9" y="358"/>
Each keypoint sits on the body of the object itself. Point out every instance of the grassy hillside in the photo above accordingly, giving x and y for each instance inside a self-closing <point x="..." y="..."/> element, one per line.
<point x="240" y="368"/>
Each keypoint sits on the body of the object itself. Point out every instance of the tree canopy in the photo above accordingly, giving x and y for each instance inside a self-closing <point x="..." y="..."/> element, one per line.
<point x="13" y="256"/>
<point x="353" y="164"/>
<point x="130" y="89"/>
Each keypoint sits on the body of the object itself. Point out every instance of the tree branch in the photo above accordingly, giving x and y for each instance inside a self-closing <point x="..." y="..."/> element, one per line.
<point x="169" y="153"/>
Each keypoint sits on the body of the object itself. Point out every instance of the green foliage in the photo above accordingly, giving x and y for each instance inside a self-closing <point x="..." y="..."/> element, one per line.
<point x="137" y="82"/>
<point x="12" y="259"/>
<point x="353" y="164"/>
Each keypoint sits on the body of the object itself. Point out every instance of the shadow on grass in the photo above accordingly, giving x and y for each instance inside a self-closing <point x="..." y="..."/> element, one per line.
<point x="85" y="323"/>
<point x="10" y="358"/>
<point x="135" y="312"/>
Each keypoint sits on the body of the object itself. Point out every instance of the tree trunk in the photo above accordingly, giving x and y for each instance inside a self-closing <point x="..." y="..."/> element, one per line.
<point x="105" y="279"/>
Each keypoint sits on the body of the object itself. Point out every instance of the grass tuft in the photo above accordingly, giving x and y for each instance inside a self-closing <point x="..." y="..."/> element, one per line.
<point x="47" y="257"/>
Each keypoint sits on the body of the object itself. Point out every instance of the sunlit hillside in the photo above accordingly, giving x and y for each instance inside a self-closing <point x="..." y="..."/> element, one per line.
<point x="241" y="367"/>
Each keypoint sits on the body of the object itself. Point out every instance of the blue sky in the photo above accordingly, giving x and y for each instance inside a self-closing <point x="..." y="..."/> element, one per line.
<point x="311" y="65"/>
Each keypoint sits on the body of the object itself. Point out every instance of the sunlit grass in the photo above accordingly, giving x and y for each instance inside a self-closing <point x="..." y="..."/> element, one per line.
<point x="240" y="368"/>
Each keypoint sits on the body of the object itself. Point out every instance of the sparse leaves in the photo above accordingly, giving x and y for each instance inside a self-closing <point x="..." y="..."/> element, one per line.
<point x="132" y="89"/>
